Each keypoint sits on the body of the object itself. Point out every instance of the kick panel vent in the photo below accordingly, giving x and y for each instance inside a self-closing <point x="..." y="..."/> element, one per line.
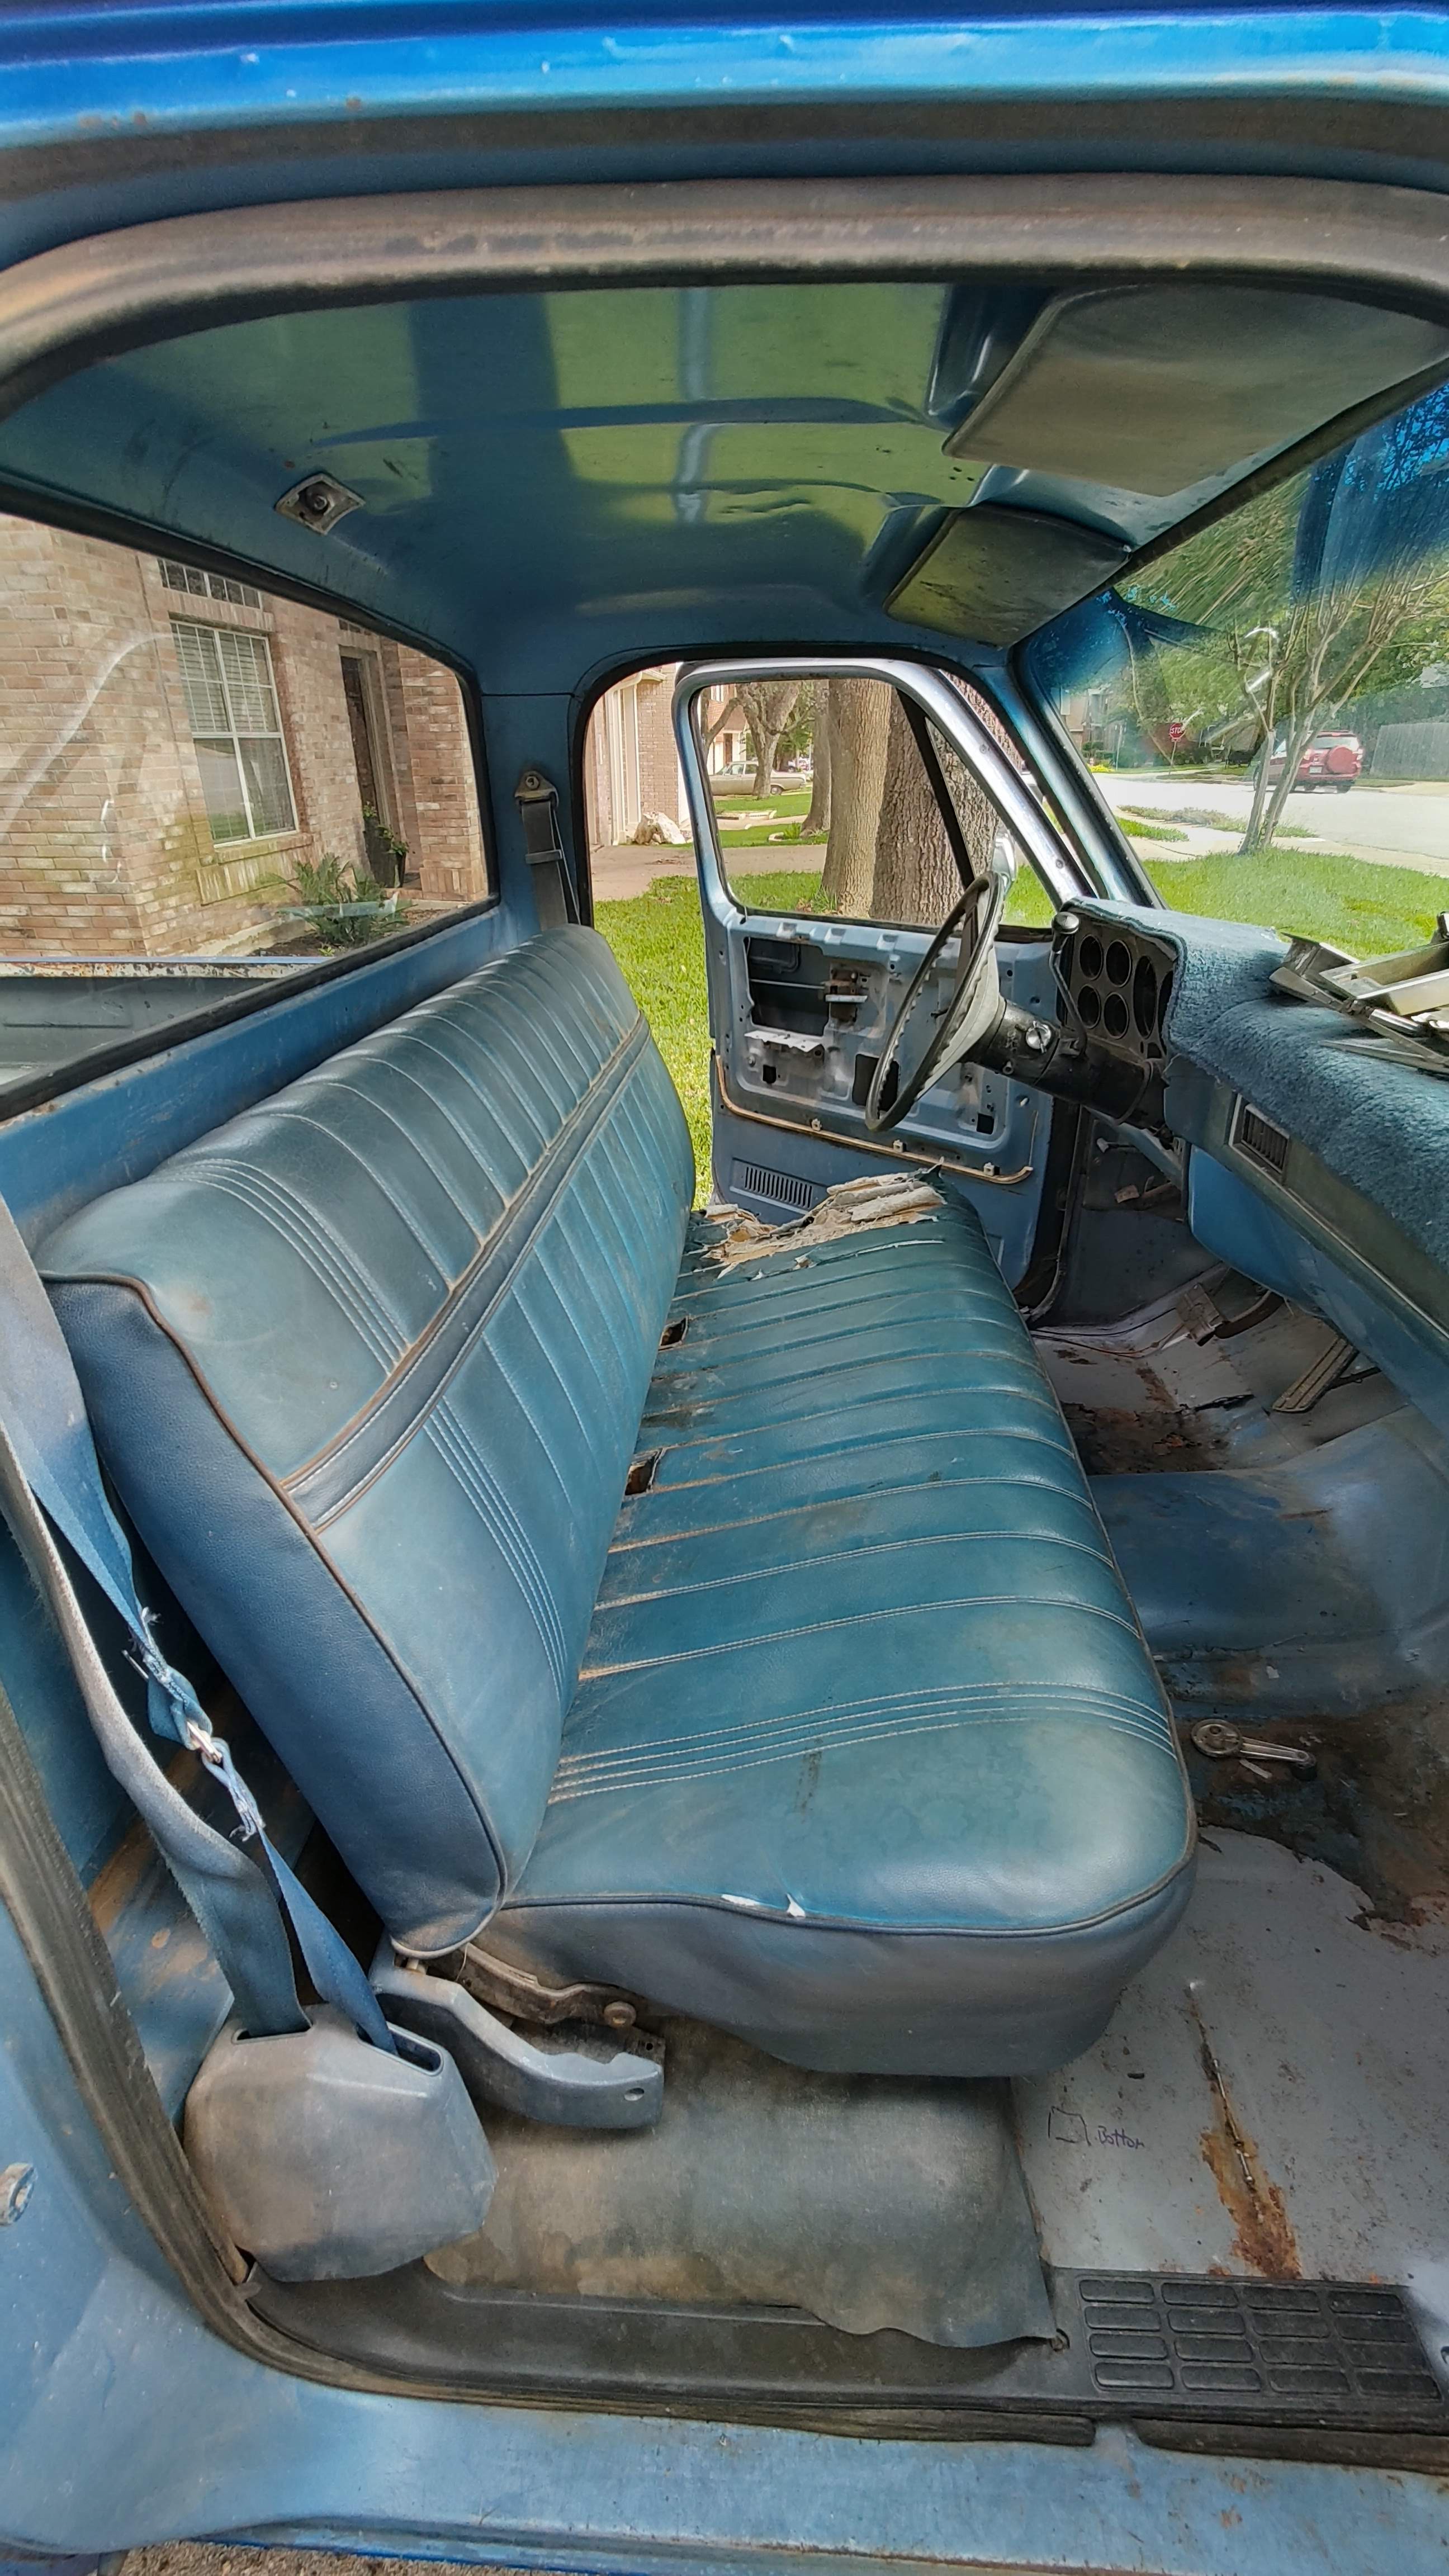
<point x="758" y="1181"/>
<point x="1258" y="1138"/>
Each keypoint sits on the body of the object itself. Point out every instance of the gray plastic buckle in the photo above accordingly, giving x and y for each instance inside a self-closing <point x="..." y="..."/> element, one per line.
<point x="578" y="2087"/>
<point x="329" y="2160"/>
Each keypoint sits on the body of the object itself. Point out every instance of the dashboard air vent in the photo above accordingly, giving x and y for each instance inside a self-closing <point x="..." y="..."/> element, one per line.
<point x="1258" y="1138"/>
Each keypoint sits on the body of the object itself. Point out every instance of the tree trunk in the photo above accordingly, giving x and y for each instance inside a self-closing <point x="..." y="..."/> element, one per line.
<point x="817" y="821"/>
<point x="1298" y="739"/>
<point x="767" y="707"/>
<point x="729" y="712"/>
<point x="916" y="877"/>
<point x="1253" y="828"/>
<point x="859" y="733"/>
<point x="764" y="748"/>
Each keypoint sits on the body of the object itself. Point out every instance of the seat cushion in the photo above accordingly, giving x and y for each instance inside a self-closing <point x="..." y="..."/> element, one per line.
<point x="868" y="1761"/>
<point x="367" y="1366"/>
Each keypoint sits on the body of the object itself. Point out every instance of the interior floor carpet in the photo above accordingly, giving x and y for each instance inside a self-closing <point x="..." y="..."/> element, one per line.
<point x="870" y="2201"/>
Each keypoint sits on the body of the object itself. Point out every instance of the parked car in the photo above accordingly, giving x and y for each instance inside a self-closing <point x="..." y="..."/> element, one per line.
<point x="734" y="1863"/>
<point x="1333" y="761"/>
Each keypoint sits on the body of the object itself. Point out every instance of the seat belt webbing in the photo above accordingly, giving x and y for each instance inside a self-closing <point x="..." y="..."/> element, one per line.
<point x="237" y="1889"/>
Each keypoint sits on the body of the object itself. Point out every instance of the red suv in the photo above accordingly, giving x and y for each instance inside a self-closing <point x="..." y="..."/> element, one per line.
<point x="1332" y="760"/>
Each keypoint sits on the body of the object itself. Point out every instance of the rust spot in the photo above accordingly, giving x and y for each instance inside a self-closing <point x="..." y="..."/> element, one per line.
<point x="1376" y="1810"/>
<point x="1263" y="2238"/>
<point x="1421" y="1914"/>
<point x="1118" y="1440"/>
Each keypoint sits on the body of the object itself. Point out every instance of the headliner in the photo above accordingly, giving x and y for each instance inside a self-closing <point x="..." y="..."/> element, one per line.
<point x="554" y="481"/>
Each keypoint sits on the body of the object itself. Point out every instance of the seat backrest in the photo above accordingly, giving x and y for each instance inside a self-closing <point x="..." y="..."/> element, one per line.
<point x="367" y="1366"/>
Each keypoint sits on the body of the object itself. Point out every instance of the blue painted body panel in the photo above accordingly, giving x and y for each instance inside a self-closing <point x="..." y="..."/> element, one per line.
<point x="122" y="2418"/>
<point x="337" y="60"/>
<point x="119" y="1127"/>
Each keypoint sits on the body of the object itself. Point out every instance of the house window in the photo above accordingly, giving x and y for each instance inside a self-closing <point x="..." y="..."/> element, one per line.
<point x="231" y="706"/>
<point x="208" y="585"/>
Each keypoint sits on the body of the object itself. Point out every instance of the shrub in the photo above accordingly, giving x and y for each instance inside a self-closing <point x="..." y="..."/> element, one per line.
<point x="346" y="907"/>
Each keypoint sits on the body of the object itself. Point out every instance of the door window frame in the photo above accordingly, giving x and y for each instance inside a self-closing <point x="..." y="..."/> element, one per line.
<point x="1062" y="870"/>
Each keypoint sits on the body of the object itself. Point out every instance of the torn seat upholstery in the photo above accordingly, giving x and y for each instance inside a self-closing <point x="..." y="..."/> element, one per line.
<point x="840" y="1733"/>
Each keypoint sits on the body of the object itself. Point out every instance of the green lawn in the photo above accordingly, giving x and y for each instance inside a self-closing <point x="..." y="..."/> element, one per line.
<point x="752" y="835"/>
<point x="658" y="937"/>
<point x="741" y="830"/>
<point x="1157" y="830"/>
<point x="790" y="800"/>
<point x="1356" y="905"/>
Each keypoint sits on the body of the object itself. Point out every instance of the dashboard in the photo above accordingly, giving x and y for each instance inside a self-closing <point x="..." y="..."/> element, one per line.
<point x="1117" y="983"/>
<point x="1313" y="1166"/>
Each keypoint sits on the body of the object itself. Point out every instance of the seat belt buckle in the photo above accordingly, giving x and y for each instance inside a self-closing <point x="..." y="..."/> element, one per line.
<point x="215" y="1752"/>
<point x="191" y="1728"/>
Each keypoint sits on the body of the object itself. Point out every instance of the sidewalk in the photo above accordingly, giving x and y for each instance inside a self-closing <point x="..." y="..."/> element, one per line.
<point x="621" y="872"/>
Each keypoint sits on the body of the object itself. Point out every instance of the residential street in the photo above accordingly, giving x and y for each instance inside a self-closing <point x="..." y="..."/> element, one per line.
<point x="1402" y="826"/>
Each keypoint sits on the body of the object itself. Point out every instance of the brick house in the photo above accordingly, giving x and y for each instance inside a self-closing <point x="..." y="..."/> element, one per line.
<point x="172" y="743"/>
<point x="631" y="767"/>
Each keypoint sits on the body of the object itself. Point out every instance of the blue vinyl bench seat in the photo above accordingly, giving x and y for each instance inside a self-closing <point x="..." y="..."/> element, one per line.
<point x="841" y="1733"/>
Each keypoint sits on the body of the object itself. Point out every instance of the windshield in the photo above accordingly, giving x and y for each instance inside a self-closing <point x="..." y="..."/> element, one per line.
<point x="1267" y="705"/>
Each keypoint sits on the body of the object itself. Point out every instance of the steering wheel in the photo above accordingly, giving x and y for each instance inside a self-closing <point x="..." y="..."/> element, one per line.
<point x="975" y="998"/>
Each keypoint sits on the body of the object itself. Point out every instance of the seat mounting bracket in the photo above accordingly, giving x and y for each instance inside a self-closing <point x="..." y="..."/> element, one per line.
<point x="580" y="2083"/>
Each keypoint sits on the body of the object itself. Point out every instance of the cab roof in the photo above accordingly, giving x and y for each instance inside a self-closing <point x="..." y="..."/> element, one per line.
<point x="543" y="475"/>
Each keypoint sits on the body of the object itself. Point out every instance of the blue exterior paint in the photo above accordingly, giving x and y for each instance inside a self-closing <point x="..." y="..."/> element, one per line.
<point x="335" y="59"/>
<point x="122" y="2420"/>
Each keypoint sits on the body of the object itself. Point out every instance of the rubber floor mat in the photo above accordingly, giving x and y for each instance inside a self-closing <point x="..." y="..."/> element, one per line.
<point x="868" y="2201"/>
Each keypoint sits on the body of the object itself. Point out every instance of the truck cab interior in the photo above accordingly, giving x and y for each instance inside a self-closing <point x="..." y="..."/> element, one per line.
<point x="869" y="1721"/>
